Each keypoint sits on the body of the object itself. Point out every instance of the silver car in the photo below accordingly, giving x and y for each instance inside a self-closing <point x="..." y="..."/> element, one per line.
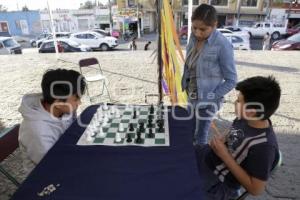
<point x="9" y="46"/>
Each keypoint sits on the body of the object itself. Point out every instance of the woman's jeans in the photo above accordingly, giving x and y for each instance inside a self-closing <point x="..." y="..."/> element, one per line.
<point x="204" y="114"/>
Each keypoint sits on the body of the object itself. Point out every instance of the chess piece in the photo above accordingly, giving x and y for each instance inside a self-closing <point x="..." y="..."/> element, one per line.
<point x="151" y="134"/>
<point x="129" y="139"/>
<point x="138" y="140"/>
<point x="118" y="138"/>
<point x="160" y="128"/>
<point x="105" y="107"/>
<point x="131" y="128"/>
<point x="134" y="114"/>
<point x="101" y="133"/>
<point x="152" y="109"/>
<point x="121" y="128"/>
<point x="142" y="127"/>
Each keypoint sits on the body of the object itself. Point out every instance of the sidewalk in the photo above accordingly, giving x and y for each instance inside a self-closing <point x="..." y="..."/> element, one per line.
<point x="133" y="72"/>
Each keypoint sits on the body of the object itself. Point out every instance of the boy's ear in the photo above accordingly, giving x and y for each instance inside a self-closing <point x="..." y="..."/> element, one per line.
<point x="250" y="113"/>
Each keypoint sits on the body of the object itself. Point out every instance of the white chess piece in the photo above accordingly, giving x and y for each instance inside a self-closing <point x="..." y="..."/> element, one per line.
<point x="101" y="133"/>
<point x="118" y="137"/>
<point x="118" y="115"/>
<point x="121" y="128"/>
<point x="105" y="107"/>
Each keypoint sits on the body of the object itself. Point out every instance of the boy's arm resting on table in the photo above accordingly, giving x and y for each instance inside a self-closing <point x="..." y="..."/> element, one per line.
<point x="253" y="185"/>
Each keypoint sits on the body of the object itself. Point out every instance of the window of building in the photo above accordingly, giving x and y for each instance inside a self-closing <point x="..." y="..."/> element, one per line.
<point x="185" y="2"/>
<point x="249" y="3"/>
<point x="219" y="2"/>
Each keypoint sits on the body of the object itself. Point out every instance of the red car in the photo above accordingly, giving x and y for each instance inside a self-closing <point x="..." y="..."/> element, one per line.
<point x="295" y="29"/>
<point x="291" y="43"/>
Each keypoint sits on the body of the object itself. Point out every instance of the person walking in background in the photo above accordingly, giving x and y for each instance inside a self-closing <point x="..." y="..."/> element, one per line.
<point x="266" y="41"/>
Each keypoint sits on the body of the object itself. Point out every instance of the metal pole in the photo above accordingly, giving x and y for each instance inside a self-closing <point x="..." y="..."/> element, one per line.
<point x="190" y="13"/>
<point x="159" y="50"/>
<point x="110" y="18"/>
<point x="138" y="20"/>
<point x="53" y="29"/>
<point x="238" y="12"/>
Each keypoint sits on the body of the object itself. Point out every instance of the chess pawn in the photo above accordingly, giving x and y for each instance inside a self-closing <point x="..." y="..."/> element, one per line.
<point x="118" y="138"/>
<point x="118" y="115"/>
<point x="121" y="128"/>
<point x="101" y="133"/>
<point x="105" y="107"/>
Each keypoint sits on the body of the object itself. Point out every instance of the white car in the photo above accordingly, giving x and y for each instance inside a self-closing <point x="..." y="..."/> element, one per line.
<point x="238" y="42"/>
<point x="242" y="33"/>
<point x="49" y="37"/>
<point x="9" y="46"/>
<point x="95" y="40"/>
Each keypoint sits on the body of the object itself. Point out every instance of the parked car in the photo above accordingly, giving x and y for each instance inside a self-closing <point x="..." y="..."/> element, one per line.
<point x="238" y="42"/>
<point x="9" y="46"/>
<point x="295" y="29"/>
<point x="291" y="43"/>
<point x="64" y="45"/>
<point x="115" y="33"/>
<point x="183" y="32"/>
<point x="95" y="40"/>
<point x="33" y="42"/>
<point x="57" y="34"/>
<point x="243" y="34"/>
<point x="260" y="29"/>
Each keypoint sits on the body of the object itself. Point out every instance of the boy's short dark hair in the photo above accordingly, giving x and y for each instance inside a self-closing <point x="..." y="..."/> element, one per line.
<point x="263" y="90"/>
<point x="205" y="13"/>
<point x="58" y="84"/>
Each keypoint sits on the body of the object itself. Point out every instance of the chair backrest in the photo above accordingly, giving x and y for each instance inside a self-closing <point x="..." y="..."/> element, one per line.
<point x="9" y="142"/>
<point x="88" y="61"/>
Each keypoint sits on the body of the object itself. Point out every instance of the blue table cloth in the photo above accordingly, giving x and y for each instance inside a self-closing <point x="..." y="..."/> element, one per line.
<point x="117" y="173"/>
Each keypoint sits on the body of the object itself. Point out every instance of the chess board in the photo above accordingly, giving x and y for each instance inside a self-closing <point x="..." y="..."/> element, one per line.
<point x="126" y="115"/>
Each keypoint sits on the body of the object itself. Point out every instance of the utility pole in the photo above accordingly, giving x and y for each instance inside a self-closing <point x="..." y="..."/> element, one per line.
<point x="138" y="20"/>
<point x="110" y="18"/>
<point x="238" y="12"/>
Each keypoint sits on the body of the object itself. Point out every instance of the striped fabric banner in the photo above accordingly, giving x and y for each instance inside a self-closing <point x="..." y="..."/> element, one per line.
<point x="172" y="58"/>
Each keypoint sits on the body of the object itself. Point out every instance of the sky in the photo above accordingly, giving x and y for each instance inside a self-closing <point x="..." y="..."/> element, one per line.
<point x="41" y="4"/>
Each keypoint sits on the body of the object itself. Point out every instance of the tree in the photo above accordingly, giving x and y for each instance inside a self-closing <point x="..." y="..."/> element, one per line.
<point x="3" y="8"/>
<point x="87" y="5"/>
<point x="25" y="8"/>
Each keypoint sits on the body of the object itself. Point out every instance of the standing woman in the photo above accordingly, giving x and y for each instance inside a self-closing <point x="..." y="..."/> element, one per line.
<point x="209" y="70"/>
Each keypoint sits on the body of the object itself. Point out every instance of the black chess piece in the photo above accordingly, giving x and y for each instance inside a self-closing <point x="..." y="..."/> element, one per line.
<point x="150" y="117"/>
<point x="142" y="127"/>
<point x="131" y="128"/>
<point x="139" y="140"/>
<point x="152" y="109"/>
<point x="150" y="125"/>
<point x="160" y="127"/>
<point x="129" y="139"/>
<point x="151" y="134"/>
<point x="134" y="114"/>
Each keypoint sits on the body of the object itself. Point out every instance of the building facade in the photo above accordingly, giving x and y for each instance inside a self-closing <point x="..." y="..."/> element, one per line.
<point x="19" y="23"/>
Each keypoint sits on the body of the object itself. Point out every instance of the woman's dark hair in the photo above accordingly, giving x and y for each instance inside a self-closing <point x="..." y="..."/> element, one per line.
<point x="59" y="84"/>
<point x="205" y="13"/>
<point x="261" y="90"/>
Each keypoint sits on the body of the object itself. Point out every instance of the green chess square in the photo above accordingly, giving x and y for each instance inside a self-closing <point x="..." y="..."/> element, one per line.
<point x="99" y="140"/>
<point x="142" y="141"/>
<point x="110" y="135"/>
<point x="160" y="141"/>
<point x="125" y="121"/>
<point x="144" y="113"/>
<point x="114" y="125"/>
<point x="127" y="113"/>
